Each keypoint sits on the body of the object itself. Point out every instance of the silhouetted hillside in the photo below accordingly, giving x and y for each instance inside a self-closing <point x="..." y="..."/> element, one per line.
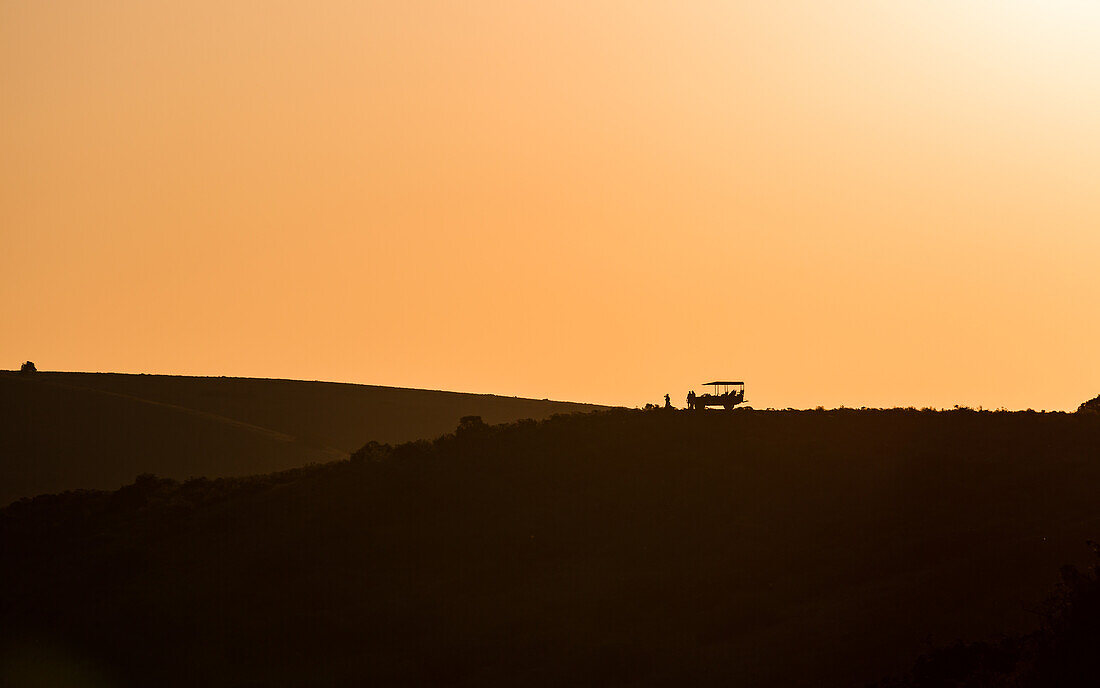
<point x="622" y="547"/>
<point x="96" y="430"/>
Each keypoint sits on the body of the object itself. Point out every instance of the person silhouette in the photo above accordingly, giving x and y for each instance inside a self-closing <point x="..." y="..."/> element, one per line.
<point x="691" y="399"/>
<point x="668" y="401"/>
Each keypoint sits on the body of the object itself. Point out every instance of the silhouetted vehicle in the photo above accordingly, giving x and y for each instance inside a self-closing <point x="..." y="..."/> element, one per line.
<point x="727" y="394"/>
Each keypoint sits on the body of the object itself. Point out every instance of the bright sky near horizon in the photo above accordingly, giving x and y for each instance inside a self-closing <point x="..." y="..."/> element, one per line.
<point x="858" y="203"/>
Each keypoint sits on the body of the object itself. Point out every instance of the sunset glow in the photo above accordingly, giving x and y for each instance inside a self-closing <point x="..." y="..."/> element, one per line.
<point x="840" y="203"/>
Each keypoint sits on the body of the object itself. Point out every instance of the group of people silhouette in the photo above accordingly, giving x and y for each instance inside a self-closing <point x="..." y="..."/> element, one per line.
<point x="732" y="395"/>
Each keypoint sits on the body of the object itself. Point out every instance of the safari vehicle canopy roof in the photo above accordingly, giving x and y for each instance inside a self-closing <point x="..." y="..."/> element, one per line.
<point x="723" y="382"/>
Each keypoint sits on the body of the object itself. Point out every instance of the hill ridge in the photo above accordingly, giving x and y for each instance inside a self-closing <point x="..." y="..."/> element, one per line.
<point x="98" y="430"/>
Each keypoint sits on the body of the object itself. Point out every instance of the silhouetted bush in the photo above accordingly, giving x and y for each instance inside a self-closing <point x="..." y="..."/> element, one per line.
<point x="372" y="451"/>
<point x="1090" y="406"/>
<point x="28" y="367"/>
<point x="471" y="425"/>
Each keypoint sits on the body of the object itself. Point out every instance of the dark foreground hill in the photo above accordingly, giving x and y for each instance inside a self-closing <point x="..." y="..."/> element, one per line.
<point x="63" y="431"/>
<point x="809" y="548"/>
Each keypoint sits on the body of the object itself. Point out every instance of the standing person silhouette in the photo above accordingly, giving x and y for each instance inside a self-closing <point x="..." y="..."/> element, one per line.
<point x="668" y="401"/>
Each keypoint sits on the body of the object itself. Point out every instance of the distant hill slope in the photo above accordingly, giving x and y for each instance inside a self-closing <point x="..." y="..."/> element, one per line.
<point x="617" y="548"/>
<point x="98" y="430"/>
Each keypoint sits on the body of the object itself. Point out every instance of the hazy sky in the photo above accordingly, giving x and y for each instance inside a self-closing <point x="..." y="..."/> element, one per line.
<point x="860" y="203"/>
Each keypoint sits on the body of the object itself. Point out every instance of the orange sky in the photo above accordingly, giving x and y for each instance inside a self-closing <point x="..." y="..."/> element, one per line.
<point x="858" y="203"/>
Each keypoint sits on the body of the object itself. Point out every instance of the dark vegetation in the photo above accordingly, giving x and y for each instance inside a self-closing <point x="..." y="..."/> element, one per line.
<point x="94" y="430"/>
<point x="824" y="548"/>
<point x="1090" y="406"/>
<point x="1064" y="651"/>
